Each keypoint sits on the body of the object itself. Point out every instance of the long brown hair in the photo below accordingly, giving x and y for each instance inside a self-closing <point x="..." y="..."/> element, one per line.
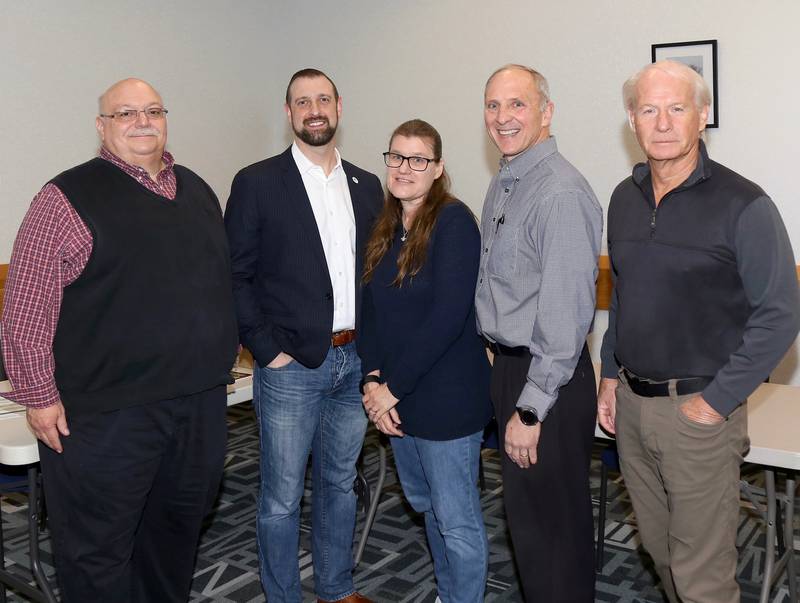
<point x="412" y="255"/>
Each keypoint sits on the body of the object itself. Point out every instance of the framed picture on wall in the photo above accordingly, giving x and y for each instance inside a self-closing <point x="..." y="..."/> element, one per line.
<point x="700" y="56"/>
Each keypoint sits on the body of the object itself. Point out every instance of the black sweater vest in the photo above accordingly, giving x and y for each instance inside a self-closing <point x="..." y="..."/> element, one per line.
<point x="151" y="317"/>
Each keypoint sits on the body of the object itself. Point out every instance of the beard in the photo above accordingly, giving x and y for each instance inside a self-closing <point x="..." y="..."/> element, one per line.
<point x="317" y="138"/>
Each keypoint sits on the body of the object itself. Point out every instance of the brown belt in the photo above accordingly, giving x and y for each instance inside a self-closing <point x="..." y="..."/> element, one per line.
<point x="343" y="337"/>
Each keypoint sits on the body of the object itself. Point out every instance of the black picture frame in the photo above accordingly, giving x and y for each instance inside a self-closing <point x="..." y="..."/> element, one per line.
<point x="700" y="55"/>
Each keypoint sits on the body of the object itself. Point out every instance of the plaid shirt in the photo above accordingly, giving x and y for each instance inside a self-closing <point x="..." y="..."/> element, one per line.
<point x="51" y="250"/>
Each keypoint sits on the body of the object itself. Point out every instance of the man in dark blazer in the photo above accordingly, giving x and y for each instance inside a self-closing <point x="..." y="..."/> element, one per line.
<point x="297" y="224"/>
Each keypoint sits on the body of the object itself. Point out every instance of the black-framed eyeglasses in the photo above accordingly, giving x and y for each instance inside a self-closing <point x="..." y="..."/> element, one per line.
<point x="128" y="115"/>
<point x="395" y="160"/>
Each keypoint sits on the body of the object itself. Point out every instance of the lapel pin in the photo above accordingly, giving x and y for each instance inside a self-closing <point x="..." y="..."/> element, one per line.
<point x="355" y="179"/>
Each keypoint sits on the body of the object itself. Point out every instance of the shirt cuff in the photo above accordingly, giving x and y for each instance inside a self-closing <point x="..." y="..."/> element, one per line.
<point x="37" y="396"/>
<point x="609" y="370"/>
<point x="533" y="397"/>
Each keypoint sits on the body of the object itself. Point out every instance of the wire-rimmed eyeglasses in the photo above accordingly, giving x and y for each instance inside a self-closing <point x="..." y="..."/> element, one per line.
<point x="128" y="115"/>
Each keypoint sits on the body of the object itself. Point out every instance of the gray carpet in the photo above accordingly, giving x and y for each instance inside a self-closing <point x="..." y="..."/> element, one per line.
<point x="396" y="566"/>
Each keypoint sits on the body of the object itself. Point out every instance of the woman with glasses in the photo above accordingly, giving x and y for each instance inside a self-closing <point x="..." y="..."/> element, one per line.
<point x="426" y="374"/>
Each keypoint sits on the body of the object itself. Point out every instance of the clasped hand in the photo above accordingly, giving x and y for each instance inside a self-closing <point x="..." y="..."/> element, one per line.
<point x="380" y="404"/>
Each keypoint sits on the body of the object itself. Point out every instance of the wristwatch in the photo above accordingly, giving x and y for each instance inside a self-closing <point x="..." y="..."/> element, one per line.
<point x="368" y="379"/>
<point x="528" y="416"/>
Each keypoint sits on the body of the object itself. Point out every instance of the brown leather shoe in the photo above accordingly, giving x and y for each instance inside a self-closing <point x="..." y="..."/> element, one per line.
<point x="354" y="598"/>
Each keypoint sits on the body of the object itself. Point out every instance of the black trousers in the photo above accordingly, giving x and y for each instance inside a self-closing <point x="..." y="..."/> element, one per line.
<point x="127" y="498"/>
<point x="549" y="506"/>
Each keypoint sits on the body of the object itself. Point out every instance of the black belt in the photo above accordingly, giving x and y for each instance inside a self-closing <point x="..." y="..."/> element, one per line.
<point x="642" y="387"/>
<point x="503" y="350"/>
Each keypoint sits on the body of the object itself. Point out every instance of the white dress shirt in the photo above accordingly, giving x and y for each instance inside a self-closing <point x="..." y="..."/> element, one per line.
<point x="333" y="211"/>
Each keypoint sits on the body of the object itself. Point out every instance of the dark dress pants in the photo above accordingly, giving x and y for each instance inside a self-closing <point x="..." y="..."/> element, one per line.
<point x="549" y="506"/>
<point x="127" y="498"/>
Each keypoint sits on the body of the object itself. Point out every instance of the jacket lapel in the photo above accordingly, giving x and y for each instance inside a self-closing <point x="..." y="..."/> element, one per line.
<point x="296" y="194"/>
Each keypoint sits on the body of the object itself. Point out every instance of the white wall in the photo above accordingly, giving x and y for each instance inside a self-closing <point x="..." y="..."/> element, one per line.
<point x="210" y="60"/>
<point x="222" y="68"/>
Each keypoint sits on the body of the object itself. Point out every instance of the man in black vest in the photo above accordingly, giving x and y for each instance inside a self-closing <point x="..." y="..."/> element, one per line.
<point x="705" y="305"/>
<point x="297" y="224"/>
<point x="119" y="333"/>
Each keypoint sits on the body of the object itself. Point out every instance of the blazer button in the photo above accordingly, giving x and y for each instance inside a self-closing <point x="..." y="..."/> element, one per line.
<point x="329" y="295"/>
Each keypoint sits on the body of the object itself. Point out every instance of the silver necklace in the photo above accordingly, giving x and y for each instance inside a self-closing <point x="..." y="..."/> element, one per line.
<point x="404" y="238"/>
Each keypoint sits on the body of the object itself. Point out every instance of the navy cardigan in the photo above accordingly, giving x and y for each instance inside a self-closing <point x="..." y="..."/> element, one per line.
<point x="422" y="336"/>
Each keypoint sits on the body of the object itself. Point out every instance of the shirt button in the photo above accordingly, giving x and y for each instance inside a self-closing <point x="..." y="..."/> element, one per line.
<point x="480" y="281"/>
<point x="506" y="190"/>
<point x="486" y="250"/>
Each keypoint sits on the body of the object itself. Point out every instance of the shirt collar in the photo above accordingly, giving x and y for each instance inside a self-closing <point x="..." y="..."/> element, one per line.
<point x="166" y="157"/>
<point x="702" y="171"/>
<point x="305" y="165"/>
<point x="530" y="157"/>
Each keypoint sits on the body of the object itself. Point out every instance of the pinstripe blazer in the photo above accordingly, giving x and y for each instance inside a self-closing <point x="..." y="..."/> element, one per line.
<point x="281" y="283"/>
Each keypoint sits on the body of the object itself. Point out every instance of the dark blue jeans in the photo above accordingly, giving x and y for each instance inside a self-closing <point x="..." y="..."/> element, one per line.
<point x="440" y="480"/>
<point x="304" y="411"/>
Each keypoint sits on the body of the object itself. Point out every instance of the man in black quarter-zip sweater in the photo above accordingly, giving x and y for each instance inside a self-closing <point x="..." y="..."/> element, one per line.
<point x="705" y="305"/>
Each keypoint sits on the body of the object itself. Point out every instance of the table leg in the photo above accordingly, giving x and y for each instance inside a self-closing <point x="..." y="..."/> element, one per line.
<point x="769" y="544"/>
<point x="33" y="535"/>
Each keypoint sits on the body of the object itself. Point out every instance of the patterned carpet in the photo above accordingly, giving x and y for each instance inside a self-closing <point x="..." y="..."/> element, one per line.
<point x="396" y="565"/>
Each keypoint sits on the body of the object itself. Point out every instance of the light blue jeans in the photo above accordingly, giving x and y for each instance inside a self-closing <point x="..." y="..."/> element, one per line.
<point x="440" y="480"/>
<point x="304" y="411"/>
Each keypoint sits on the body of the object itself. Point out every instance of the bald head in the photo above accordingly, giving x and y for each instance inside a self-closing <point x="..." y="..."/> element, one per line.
<point x="120" y="90"/>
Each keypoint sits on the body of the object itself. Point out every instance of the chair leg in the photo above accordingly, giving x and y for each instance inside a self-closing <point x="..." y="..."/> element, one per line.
<point x="361" y="488"/>
<point x="601" y="518"/>
<point x="33" y="536"/>
<point x="373" y="507"/>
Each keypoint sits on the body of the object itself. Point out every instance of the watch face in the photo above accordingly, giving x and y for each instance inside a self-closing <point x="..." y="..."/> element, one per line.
<point x="527" y="416"/>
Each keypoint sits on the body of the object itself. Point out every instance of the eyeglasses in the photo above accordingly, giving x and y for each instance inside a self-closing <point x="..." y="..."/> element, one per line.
<point x="128" y="115"/>
<point x="395" y="160"/>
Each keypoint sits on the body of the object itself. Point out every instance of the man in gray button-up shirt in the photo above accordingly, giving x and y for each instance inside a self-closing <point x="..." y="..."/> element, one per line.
<point x="541" y="232"/>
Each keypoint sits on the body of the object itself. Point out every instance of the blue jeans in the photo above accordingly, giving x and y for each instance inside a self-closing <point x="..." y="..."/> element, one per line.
<point x="301" y="411"/>
<point x="440" y="480"/>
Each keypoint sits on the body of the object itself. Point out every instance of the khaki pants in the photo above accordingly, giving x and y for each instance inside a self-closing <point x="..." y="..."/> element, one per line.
<point x="683" y="480"/>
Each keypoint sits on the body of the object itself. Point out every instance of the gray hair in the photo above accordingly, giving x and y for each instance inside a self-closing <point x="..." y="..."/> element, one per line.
<point x="702" y="95"/>
<point x="539" y="80"/>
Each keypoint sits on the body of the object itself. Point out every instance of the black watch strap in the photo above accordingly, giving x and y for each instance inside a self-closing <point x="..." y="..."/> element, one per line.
<point x="368" y="379"/>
